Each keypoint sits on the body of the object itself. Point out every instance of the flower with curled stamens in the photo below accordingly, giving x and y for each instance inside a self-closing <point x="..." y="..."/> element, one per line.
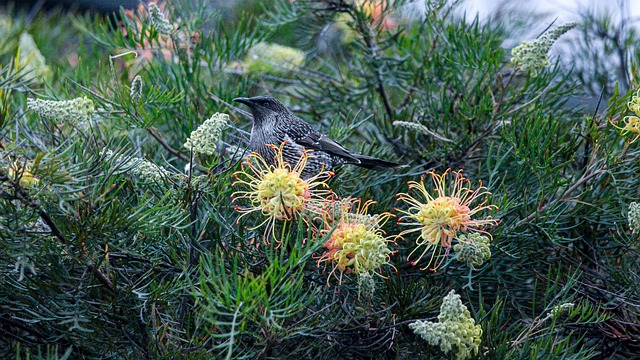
<point x="439" y="218"/>
<point x="631" y="123"/>
<point x="22" y="174"/>
<point x="278" y="192"/>
<point x="356" y="241"/>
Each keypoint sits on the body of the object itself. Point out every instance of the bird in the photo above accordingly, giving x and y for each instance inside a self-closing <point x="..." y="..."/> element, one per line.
<point x="274" y="124"/>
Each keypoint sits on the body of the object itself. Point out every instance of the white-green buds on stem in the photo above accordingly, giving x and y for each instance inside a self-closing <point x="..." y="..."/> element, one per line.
<point x="473" y="249"/>
<point x="144" y="170"/>
<point x="203" y="139"/>
<point x="420" y="129"/>
<point x="159" y="21"/>
<point x="366" y="286"/>
<point x="136" y="89"/>
<point x="74" y="112"/>
<point x="634" y="218"/>
<point x="532" y="56"/>
<point x="560" y="309"/>
<point x="456" y="328"/>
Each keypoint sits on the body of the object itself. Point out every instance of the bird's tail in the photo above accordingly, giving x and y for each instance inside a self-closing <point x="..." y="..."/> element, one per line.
<point x="370" y="162"/>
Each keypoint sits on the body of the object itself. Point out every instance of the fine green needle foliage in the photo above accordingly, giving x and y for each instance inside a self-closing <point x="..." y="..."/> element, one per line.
<point x="136" y="223"/>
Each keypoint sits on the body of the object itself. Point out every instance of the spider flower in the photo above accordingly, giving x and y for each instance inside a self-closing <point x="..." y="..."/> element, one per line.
<point x="632" y="122"/>
<point x="278" y="192"/>
<point x="356" y="241"/>
<point x="144" y="170"/>
<point x="75" y="112"/>
<point x="441" y="215"/>
<point x="23" y="174"/>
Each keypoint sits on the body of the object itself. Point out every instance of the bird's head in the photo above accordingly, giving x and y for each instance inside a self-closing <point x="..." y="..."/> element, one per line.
<point x="264" y="108"/>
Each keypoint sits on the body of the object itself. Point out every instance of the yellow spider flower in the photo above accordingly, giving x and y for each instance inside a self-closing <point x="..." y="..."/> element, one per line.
<point x="278" y="191"/>
<point x="631" y="123"/>
<point x="356" y="242"/>
<point x="439" y="218"/>
<point x="22" y="173"/>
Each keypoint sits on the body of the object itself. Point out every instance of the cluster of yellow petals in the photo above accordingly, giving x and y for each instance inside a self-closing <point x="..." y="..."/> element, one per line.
<point x="22" y="173"/>
<point x="443" y="216"/>
<point x="356" y="241"/>
<point x="278" y="191"/>
<point x="282" y="194"/>
<point x="632" y="122"/>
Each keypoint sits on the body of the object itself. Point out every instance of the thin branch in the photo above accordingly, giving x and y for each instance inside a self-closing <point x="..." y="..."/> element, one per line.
<point x="153" y="132"/>
<point x="590" y="173"/>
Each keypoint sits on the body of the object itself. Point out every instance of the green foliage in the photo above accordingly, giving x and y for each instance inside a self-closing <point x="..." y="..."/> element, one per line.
<point x="104" y="257"/>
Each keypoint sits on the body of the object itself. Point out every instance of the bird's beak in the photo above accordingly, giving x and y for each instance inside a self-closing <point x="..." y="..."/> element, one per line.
<point x="245" y="101"/>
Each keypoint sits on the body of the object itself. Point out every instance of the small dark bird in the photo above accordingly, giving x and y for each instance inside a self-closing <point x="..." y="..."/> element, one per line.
<point x="274" y="123"/>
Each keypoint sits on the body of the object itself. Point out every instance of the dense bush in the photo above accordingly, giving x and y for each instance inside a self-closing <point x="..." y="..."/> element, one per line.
<point x="118" y="241"/>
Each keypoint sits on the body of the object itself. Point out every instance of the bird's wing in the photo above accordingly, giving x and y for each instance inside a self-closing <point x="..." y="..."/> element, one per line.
<point x="317" y="141"/>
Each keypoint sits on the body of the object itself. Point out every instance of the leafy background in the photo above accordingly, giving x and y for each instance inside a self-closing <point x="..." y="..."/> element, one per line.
<point x="96" y="263"/>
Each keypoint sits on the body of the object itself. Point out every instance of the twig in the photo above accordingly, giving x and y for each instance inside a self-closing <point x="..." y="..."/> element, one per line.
<point x="590" y="173"/>
<point x="22" y="195"/>
<point x="367" y="36"/>
<point x="161" y="140"/>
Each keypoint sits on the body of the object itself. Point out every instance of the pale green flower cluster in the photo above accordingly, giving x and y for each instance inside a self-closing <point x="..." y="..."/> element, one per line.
<point x="136" y="89"/>
<point x="369" y="253"/>
<point x="366" y="285"/>
<point x="420" y="129"/>
<point x="337" y="213"/>
<point x="144" y="170"/>
<point x="203" y="139"/>
<point x="634" y="218"/>
<point x="32" y="63"/>
<point x="560" y="309"/>
<point x="413" y="126"/>
<point x="456" y="328"/>
<point x="236" y="153"/>
<point x="74" y="112"/>
<point x="273" y="59"/>
<point x="473" y="249"/>
<point x="159" y="21"/>
<point x="532" y="56"/>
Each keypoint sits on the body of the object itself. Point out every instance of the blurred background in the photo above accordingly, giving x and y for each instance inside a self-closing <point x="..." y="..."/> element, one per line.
<point x="562" y="177"/>
<point x="608" y="37"/>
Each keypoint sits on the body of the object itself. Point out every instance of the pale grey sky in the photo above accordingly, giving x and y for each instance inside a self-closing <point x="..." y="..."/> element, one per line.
<point x="565" y="10"/>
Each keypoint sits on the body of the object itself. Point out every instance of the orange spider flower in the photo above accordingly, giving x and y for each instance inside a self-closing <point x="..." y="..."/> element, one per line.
<point x="278" y="192"/>
<point x="439" y="218"/>
<point x="356" y="241"/>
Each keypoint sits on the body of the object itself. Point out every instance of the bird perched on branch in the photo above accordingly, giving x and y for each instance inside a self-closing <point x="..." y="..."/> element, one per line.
<point x="274" y="123"/>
